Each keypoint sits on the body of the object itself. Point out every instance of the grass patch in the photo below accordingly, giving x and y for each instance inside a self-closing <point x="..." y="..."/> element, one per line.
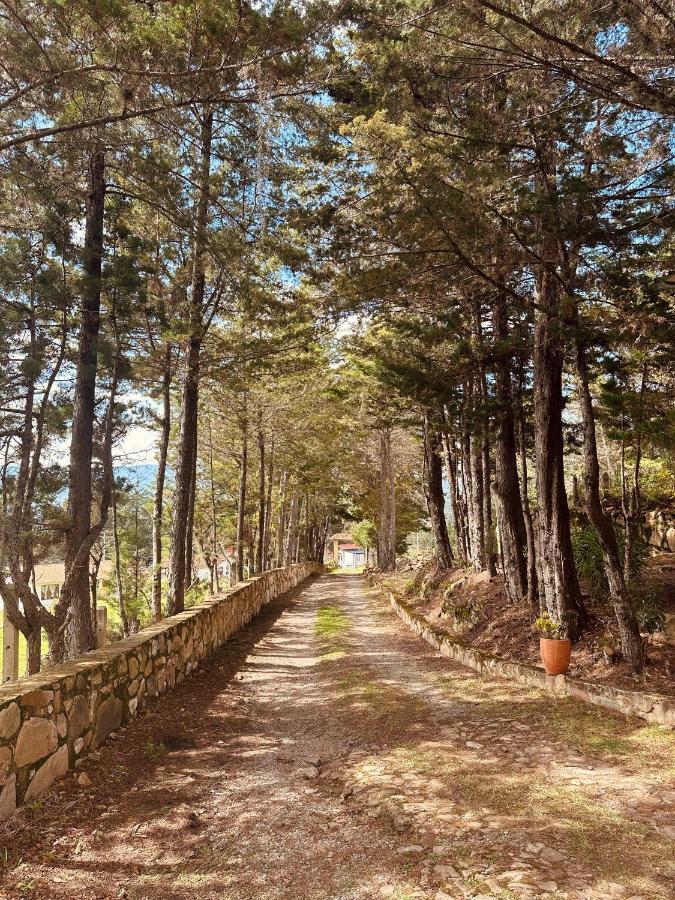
<point x="154" y="750"/>
<point x="361" y="691"/>
<point x="328" y="654"/>
<point x="330" y="622"/>
<point x="329" y="626"/>
<point x="635" y="745"/>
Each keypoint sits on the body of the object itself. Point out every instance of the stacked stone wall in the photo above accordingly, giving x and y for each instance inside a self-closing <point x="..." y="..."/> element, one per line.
<point x="51" y="721"/>
<point x="655" y="708"/>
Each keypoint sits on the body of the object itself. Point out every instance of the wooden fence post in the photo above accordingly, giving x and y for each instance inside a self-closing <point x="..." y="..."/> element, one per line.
<point x="101" y="625"/>
<point x="10" y="650"/>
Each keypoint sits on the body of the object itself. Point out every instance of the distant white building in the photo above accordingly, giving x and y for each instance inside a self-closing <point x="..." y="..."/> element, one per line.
<point x="345" y="553"/>
<point x="49" y="578"/>
<point x="226" y="566"/>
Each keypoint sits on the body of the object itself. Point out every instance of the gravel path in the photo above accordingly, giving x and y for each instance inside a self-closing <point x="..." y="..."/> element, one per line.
<point x="329" y="753"/>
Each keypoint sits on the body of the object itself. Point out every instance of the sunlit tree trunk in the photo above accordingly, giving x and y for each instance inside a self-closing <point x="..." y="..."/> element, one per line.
<point x="158" y="501"/>
<point x="185" y="464"/>
<point x="119" y="589"/>
<point x="559" y="584"/>
<point x="433" y="484"/>
<point x="476" y="500"/>
<point x="82" y="637"/>
<point x="260" y="549"/>
<point x="507" y="486"/>
<point x="386" y="534"/>
<point x="631" y="642"/>
<point x="241" y="504"/>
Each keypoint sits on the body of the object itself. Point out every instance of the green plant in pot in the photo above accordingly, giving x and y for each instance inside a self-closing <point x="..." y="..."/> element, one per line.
<point x="555" y="649"/>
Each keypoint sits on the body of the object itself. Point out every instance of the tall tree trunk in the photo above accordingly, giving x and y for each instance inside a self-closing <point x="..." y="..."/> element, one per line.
<point x="386" y="534"/>
<point x="532" y="581"/>
<point x="260" y="549"/>
<point x="281" y="529"/>
<point x="241" y="505"/>
<point x="215" y="579"/>
<point x="490" y="546"/>
<point x="476" y="504"/>
<point x="268" y="509"/>
<point x="119" y="589"/>
<point x="94" y="566"/>
<point x="16" y="530"/>
<point x="631" y="642"/>
<point x="510" y="517"/>
<point x="631" y="499"/>
<point x="465" y="475"/>
<point x="34" y="650"/>
<point x="483" y="423"/>
<point x="457" y="509"/>
<point x="298" y="531"/>
<point x="158" y="502"/>
<point x="83" y="637"/>
<point x="292" y="530"/>
<point x="190" y="400"/>
<point x="559" y="583"/>
<point x="189" y="531"/>
<point x="434" y="493"/>
<point x="183" y="483"/>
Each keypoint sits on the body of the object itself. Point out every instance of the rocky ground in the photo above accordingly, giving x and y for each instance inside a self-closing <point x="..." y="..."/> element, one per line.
<point x="329" y="753"/>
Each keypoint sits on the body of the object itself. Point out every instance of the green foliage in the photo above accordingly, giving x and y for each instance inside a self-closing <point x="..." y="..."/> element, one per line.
<point x="154" y="749"/>
<point x="197" y="593"/>
<point x="588" y="558"/>
<point x="650" y="611"/>
<point x="639" y="553"/>
<point x="463" y="612"/>
<point x="546" y="627"/>
<point x="409" y="586"/>
<point x="134" y="534"/>
<point x="657" y="480"/>
<point x="364" y="533"/>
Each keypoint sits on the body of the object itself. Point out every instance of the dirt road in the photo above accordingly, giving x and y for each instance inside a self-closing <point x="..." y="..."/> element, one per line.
<point x="329" y="753"/>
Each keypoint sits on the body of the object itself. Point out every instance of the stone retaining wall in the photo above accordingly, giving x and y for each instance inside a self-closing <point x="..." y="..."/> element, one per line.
<point x="50" y="721"/>
<point x="652" y="707"/>
<point x="660" y="529"/>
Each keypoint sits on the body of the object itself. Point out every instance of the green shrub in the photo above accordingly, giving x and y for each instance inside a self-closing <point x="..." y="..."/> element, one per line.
<point x="649" y="610"/>
<point x="657" y="480"/>
<point x="588" y="556"/>
<point x="639" y="553"/>
<point x="154" y="750"/>
<point x="547" y="628"/>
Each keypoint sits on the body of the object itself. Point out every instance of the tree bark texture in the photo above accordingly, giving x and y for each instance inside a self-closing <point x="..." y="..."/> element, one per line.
<point x="190" y="399"/>
<point x="631" y="642"/>
<point x="241" y="503"/>
<point x="435" y="498"/>
<point x="260" y="549"/>
<point x="510" y="518"/>
<point x="476" y="504"/>
<point x="559" y="583"/>
<point x="82" y="636"/>
<point x="158" y="501"/>
<point x="292" y="530"/>
<point x="386" y="535"/>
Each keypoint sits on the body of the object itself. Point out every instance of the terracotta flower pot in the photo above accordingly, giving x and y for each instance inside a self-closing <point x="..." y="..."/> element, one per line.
<point x="555" y="655"/>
